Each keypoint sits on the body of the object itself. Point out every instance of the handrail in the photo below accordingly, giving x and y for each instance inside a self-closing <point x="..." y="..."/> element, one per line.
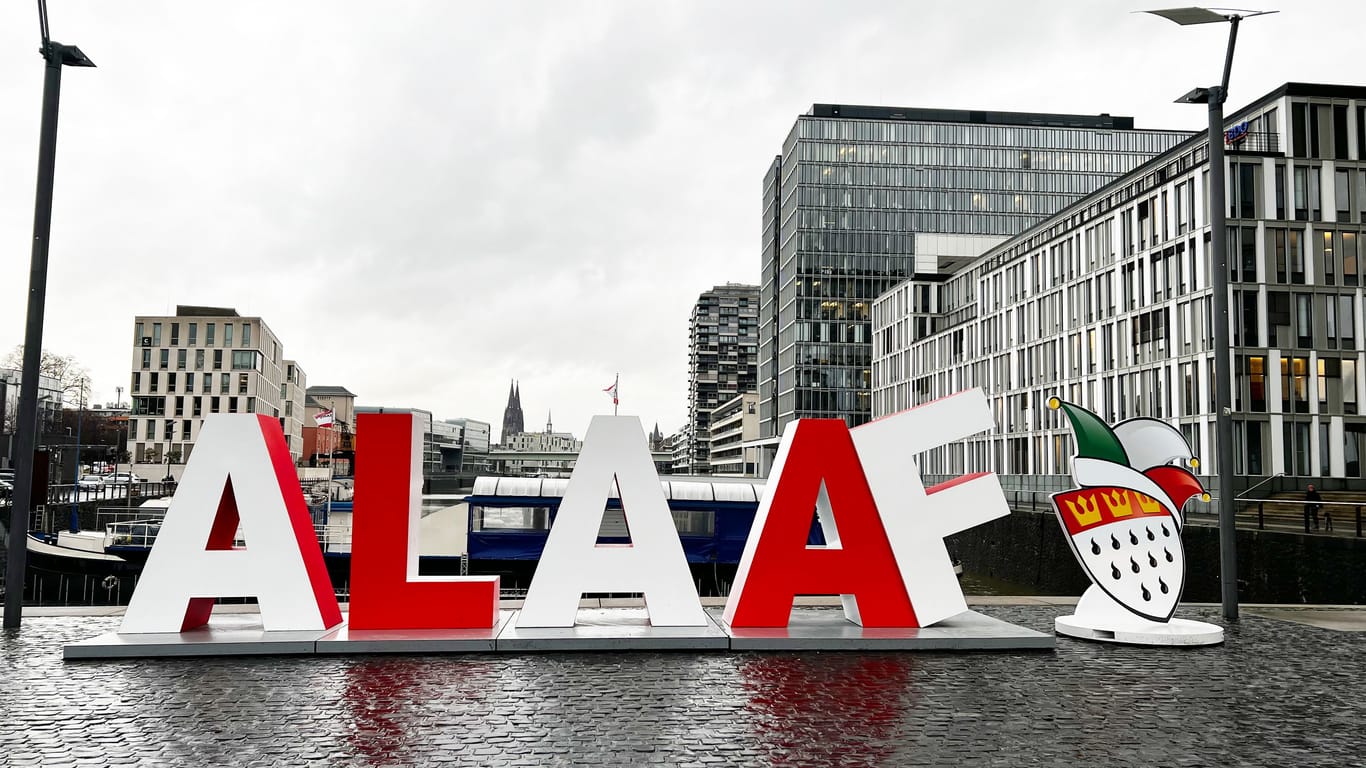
<point x="1258" y="485"/>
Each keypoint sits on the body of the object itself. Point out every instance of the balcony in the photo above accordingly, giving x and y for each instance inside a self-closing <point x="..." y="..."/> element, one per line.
<point x="1252" y="142"/>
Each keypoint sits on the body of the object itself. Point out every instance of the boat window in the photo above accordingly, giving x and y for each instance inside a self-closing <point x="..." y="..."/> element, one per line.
<point x="694" y="523"/>
<point x="484" y="518"/>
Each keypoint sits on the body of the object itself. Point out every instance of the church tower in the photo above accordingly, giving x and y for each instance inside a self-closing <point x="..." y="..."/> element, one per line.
<point x="512" y="414"/>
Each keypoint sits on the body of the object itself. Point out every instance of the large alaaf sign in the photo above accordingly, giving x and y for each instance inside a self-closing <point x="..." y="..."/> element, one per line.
<point x="885" y="554"/>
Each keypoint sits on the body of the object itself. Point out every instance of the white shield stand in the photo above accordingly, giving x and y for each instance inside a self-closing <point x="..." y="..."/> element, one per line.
<point x="1098" y="617"/>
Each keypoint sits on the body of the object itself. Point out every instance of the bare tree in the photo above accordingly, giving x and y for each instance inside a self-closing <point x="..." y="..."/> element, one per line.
<point x="72" y="377"/>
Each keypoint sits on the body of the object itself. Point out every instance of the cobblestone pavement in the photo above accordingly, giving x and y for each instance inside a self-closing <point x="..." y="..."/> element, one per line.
<point x="1277" y="693"/>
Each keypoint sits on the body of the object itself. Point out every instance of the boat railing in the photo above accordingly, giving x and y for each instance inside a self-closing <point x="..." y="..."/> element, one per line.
<point x="133" y="533"/>
<point x="333" y="537"/>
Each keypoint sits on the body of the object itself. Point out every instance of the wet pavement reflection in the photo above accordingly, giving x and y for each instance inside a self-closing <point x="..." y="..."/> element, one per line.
<point x="840" y="709"/>
<point x="1276" y="694"/>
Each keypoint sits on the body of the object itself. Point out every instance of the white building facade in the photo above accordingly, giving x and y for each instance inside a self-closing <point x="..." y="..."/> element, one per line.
<point x="1107" y="304"/>
<point x="733" y="423"/>
<point x="199" y="361"/>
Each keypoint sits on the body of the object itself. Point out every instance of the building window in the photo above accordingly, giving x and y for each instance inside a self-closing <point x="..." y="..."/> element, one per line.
<point x="241" y="383"/>
<point x="245" y="360"/>
<point x="189" y="382"/>
<point x="156" y="334"/>
<point x="227" y="334"/>
<point x="194" y="334"/>
<point x="170" y="382"/>
<point x="152" y="381"/>
<point x="208" y="334"/>
<point x="175" y="334"/>
<point x="137" y="382"/>
<point x="199" y="359"/>
<point x="180" y="356"/>
<point x="218" y="359"/>
<point x="246" y="334"/>
<point x="165" y="359"/>
<point x="146" y="359"/>
<point x="224" y="383"/>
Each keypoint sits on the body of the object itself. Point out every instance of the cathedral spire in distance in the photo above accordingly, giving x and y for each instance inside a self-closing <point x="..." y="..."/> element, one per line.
<point x="512" y="414"/>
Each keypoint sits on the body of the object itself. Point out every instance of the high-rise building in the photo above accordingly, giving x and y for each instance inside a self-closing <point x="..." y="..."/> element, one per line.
<point x="512" y="415"/>
<point x="206" y="360"/>
<point x="723" y="339"/>
<point x="863" y="198"/>
<point x="1108" y="304"/>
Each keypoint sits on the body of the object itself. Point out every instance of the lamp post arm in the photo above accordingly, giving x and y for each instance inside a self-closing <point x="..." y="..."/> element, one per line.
<point x="1228" y="58"/>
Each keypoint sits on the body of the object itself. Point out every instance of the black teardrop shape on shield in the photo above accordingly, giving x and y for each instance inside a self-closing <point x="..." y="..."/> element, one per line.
<point x="1168" y="554"/>
<point x="1132" y="538"/>
<point x="1151" y="536"/>
<point x="1152" y="561"/>
<point x="1146" y="594"/>
<point x="1095" y="548"/>
<point x="1114" y="542"/>
<point x="1165" y="532"/>
<point x="1163" y="586"/>
<point x="1133" y="564"/>
<point x="1114" y="571"/>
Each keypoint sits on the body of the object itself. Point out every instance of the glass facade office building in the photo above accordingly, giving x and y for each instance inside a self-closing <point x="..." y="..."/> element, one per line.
<point x="864" y="198"/>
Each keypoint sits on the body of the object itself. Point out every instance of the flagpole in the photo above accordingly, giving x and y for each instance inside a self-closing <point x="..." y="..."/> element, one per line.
<point x="616" y="392"/>
<point x="331" y="449"/>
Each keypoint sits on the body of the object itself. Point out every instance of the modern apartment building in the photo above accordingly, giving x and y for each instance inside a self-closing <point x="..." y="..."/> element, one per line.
<point x="723" y="340"/>
<point x="733" y="424"/>
<point x="206" y="360"/>
<point x="863" y="198"/>
<point x="1107" y="304"/>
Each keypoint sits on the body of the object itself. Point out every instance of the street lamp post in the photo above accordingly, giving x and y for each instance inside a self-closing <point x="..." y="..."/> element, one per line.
<point x="1214" y="97"/>
<point x="57" y="56"/>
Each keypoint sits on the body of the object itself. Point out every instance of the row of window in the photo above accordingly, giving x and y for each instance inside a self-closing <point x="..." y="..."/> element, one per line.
<point x="185" y="382"/>
<point x="142" y="338"/>
<point x="1018" y="137"/>
<point x="241" y="360"/>
<point x="185" y="405"/>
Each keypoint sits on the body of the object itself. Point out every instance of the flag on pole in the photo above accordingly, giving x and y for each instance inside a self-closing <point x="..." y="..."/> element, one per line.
<point x="612" y="390"/>
<point x="324" y="418"/>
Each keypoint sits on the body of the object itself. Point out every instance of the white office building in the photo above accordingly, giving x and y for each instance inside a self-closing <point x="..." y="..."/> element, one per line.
<point x="204" y="360"/>
<point x="1107" y="304"/>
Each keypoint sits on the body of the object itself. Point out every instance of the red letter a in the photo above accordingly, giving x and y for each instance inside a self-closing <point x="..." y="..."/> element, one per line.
<point x="817" y="467"/>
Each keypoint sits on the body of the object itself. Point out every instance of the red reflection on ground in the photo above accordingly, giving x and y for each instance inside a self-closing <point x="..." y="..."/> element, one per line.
<point x="828" y="709"/>
<point x="391" y="701"/>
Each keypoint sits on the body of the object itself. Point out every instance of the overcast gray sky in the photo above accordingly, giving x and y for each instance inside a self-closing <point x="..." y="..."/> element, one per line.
<point x="426" y="200"/>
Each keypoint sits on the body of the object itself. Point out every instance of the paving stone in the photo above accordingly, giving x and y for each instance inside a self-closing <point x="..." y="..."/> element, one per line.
<point x="1277" y="693"/>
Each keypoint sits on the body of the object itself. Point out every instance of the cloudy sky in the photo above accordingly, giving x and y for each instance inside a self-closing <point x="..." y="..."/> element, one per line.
<point x="427" y="200"/>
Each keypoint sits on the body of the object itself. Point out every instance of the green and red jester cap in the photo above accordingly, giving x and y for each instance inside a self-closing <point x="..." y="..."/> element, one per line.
<point x="1141" y="454"/>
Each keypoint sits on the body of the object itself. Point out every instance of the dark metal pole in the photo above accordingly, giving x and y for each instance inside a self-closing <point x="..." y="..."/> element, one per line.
<point x="16" y="547"/>
<point x="1223" y="406"/>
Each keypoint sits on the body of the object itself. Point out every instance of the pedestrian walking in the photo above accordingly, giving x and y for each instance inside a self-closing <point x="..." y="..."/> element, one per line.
<point x="1311" y="508"/>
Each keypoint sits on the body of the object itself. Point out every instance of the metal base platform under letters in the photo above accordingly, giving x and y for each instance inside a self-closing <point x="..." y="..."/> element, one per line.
<point x="826" y="629"/>
<point x="596" y="629"/>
